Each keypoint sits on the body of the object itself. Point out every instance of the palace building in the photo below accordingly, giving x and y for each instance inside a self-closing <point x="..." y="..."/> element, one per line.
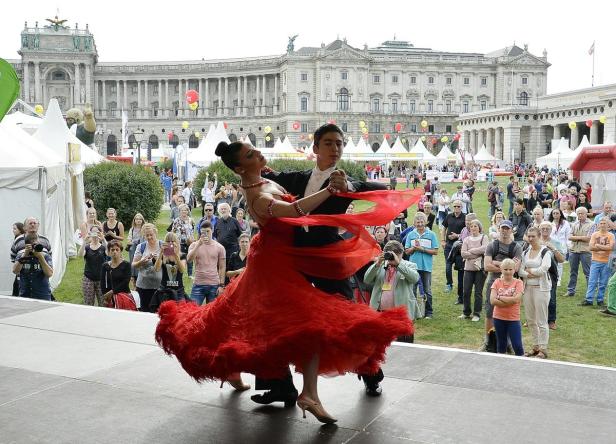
<point x="395" y="82"/>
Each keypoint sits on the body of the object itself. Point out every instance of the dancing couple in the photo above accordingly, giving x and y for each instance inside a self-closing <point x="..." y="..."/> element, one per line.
<point x="292" y="304"/>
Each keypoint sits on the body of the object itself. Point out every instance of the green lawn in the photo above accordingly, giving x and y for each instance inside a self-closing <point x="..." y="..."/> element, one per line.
<point x="583" y="334"/>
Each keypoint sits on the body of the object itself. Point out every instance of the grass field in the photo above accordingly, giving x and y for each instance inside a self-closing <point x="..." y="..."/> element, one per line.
<point x="583" y="334"/>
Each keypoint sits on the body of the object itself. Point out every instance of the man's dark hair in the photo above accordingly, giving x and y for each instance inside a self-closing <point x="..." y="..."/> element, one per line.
<point x="520" y="201"/>
<point x="229" y="153"/>
<point x="324" y="129"/>
<point x="115" y="244"/>
<point x="205" y="224"/>
<point x="511" y="177"/>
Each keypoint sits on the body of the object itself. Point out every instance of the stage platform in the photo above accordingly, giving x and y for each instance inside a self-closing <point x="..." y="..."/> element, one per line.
<point x="74" y="374"/>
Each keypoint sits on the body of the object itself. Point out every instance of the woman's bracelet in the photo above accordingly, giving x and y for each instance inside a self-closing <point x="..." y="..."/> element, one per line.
<point x="298" y="209"/>
<point x="269" y="208"/>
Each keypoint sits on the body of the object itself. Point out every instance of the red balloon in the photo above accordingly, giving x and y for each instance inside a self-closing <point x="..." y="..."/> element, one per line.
<point x="302" y="137"/>
<point x="331" y="122"/>
<point x="589" y="123"/>
<point x="226" y="125"/>
<point x="366" y="136"/>
<point x="296" y="125"/>
<point x="387" y="136"/>
<point x="398" y="127"/>
<point x="170" y="135"/>
<point x="192" y="96"/>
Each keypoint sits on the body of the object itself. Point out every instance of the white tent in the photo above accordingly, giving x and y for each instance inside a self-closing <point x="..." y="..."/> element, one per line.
<point x="362" y="151"/>
<point x="32" y="183"/>
<point x="284" y="150"/>
<point x="25" y="121"/>
<point x="584" y="143"/>
<point x="419" y="152"/>
<point x="398" y="152"/>
<point x="483" y="156"/>
<point x="561" y="157"/>
<point x="445" y="156"/>
<point x="349" y="148"/>
<point x="205" y="154"/>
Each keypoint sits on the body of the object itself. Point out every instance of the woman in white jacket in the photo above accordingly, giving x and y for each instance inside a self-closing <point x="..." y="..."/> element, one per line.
<point x="536" y="262"/>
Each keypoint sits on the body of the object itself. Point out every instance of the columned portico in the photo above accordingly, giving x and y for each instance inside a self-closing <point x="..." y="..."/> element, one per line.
<point x="594" y="133"/>
<point x="480" y="140"/>
<point x="498" y="143"/>
<point x="511" y="143"/>
<point x="490" y="140"/>
<point x="557" y="133"/>
<point x="575" y="137"/>
<point x="473" y="144"/>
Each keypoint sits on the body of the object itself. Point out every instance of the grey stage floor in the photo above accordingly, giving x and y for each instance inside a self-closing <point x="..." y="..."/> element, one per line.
<point x="73" y="374"/>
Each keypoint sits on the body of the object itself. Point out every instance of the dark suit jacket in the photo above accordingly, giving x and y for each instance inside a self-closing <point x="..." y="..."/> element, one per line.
<point x="295" y="183"/>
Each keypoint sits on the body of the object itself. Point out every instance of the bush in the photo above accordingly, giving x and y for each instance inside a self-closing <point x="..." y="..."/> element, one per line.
<point x="128" y="188"/>
<point x="224" y="175"/>
<point x="166" y="164"/>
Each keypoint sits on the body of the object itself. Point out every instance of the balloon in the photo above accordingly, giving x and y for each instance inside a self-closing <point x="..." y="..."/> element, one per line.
<point x="572" y="125"/>
<point x="456" y="137"/>
<point x="302" y="137"/>
<point x="268" y="138"/>
<point x="170" y="135"/>
<point x="185" y="124"/>
<point x="423" y="130"/>
<point x="403" y="140"/>
<point x="39" y="109"/>
<point x="362" y="124"/>
<point x="226" y="125"/>
<point x="366" y="136"/>
<point x="310" y="136"/>
<point x="398" y="127"/>
<point x="191" y="96"/>
<point x="459" y="127"/>
<point x="296" y="125"/>
<point x="193" y="106"/>
<point x="424" y="123"/>
<point x="9" y="87"/>
<point x="331" y="122"/>
<point x="589" y="123"/>
<point x="602" y="119"/>
<point x="423" y="138"/>
<point x="364" y="130"/>
<point x="387" y="136"/>
<point x="198" y="134"/>
<point x="267" y="129"/>
<point x="444" y="139"/>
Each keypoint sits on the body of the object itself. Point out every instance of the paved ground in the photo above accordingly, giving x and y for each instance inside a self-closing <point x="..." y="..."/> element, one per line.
<point x="73" y="374"/>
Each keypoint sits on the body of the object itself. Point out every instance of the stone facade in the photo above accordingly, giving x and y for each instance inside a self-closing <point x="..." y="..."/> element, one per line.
<point x="524" y="132"/>
<point x="391" y="83"/>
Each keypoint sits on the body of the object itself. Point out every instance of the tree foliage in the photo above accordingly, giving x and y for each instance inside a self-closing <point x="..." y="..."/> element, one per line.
<point x="128" y="188"/>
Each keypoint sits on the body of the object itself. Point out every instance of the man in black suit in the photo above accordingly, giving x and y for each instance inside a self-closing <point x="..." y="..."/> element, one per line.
<point x="328" y="147"/>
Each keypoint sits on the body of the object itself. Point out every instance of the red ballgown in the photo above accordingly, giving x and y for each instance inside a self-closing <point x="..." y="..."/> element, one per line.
<point x="271" y="316"/>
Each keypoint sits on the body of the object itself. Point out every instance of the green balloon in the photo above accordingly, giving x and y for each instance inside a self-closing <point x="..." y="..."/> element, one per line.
<point x="9" y="87"/>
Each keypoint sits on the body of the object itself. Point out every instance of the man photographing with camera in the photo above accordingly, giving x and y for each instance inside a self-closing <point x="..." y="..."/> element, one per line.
<point x="34" y="267"/>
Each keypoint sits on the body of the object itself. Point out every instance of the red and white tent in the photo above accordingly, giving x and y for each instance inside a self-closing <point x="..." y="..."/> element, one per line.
<point x="596" y="164"/>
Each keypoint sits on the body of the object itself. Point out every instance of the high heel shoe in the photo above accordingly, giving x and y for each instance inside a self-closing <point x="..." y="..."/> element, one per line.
<point x="237" y="384"/>
<point x="316" y="409"/>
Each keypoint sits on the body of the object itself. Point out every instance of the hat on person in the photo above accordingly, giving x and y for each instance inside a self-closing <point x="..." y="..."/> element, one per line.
<point x="506" y="223"/>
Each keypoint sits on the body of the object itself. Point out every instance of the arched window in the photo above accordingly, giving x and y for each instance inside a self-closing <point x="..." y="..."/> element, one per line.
<point x="175" y="141"/>
<point x="132" y="142"/>
<point x="112" y="145"/>
<point x="153" y="141"/>
<point x="253" y="139"/>
<point x="375" y="147"/>
<point x="193" y="141"/>
<point x="232" y="137"/>
<point x="524" y="98"/>
<point x="269" y="143"/>
<point x="343" y="100"/>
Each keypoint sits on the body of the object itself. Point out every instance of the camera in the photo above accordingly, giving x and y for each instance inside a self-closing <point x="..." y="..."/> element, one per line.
<point x="388" y="256"/>
<point x="37" y="248"/>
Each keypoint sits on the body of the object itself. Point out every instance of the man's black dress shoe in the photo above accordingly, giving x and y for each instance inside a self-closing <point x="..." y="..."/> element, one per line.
<point x="373" y="389"/>
<point x="289" y="399"/>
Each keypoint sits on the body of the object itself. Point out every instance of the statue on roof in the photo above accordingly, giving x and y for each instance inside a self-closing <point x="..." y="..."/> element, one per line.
<point x="291" y="45"/>
<point x="56" y="23"/>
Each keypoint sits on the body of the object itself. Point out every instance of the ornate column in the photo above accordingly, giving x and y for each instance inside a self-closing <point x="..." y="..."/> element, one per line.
<point x="556" y="132"/>
<point x="37" y="82"/>
<point x="276" y="93"/>
<point x="76" y="98"/>
<point x="471" y="146"/>
<point x="536" y="147"/>
<point x="160" y="99"/>
<point x="146" y="100"/>
<point x="219" y="110"/>
<point x="594" y="132"/>
<point x="257" y="96"/>
<point x="480" y="140"/>
<point x="201" y="96"/>
<point x="167" y="105"/>
<point x="95" y="104"/>
<point x="26" y="82"/>
<point x="125" y="90"/>
<point x="139" y="100"/>
<point x="238" y="110"/>
<point x="489" y="140"/>
<point x="464" y="139"/>
<point x="104" y="108"/>
<point x="511" y="145"/>
<point x="264" y="105"/>
<point x="207" y="97"/>
<point x="498" y="152"/>
<point x="180" y="112"/>
<point x="575" y="137"/>
<point x="227" y="106"/>
<point x="118" y="102"/>
<point x="89" y="85"/>
<point x="245" y="107"/>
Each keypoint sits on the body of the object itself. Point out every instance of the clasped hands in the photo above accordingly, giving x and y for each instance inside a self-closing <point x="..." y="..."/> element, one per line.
<point x="338" y="181"/>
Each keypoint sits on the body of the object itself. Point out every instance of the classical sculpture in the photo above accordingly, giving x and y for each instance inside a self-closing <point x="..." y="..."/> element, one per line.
<point x="24" y="40"/>
<point x="76" y="42"/>
<point x="84" y="123"/>
<point x="56" y="23"/>
<point x="37" y="40"/>
<point x="290" y="45"/>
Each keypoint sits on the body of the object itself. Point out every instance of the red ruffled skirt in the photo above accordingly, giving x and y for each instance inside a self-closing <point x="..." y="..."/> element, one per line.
<point x="271" y="316"/>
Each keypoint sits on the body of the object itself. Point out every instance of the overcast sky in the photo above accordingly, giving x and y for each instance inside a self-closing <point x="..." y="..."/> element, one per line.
<point x="158" y="31"/>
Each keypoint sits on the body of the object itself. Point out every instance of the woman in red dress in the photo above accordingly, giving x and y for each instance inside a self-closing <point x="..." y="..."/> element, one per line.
<point x="271" y="316"/>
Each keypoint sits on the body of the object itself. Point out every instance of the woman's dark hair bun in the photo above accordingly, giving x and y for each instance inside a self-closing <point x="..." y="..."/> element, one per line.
<point x="221" y="149"/>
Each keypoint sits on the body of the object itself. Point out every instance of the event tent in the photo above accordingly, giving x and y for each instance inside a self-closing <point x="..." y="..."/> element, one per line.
<point x="561" y="157"/>
<point x="398" y="152"/>
<point x="205" y="154"/>
<point x="419" y="152"/>
<point x="483" y="156"/>
<point x="32" y="183"/>
<point x="445" y="156"/>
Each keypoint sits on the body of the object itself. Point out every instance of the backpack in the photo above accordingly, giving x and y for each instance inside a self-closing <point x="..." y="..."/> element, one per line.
<point x="496" y="249"/>
<point x="553" y="270"/>
<point x="491" y="196"/>
<point x="142" y="246"/>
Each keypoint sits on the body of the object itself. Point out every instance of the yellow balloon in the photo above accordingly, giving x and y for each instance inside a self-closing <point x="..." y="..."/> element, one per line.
<point x="444" y="139"/>
<point x="364" y="130"/>
<point x="423" y="138"/>
<point x="268" y="138"/>
<point x="424" y="124"/>
<point x="198" y="134"/>
<point x="193" y="106"/>
<point x="39" y="109"/>
<point x="267" y="129"/>
<point x="310" y="136"/>
<point x="459" y="127"/>
<point x="572" y="125"/>
<point x="362" y="124"/>
<point x="602" y="119"/>
<point x="185" y="124"/>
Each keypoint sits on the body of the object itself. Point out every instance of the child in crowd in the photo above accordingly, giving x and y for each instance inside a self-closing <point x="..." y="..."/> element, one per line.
<point x="505" y="296"/>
